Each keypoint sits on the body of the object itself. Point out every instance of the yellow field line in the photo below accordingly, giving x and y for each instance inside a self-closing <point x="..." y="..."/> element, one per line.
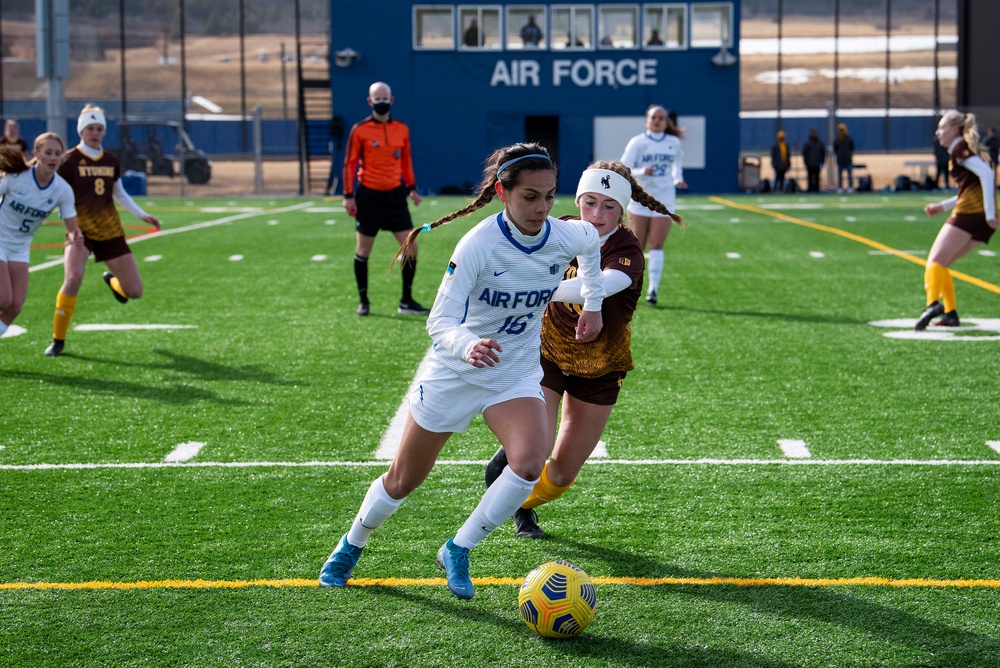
<point x="854" y="237"/>
<point x="440" y="582"/>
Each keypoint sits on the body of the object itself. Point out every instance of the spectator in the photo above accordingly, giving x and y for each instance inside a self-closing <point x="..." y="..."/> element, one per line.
<point x="814" y="156"/>
<point x="781" y="160"/>
<point x="531" y="34"/>
<point x="654" y="38"/>
<point x="471" y="36"/>
<point x="941" y="161"/>
<point x="12" y="137"/>
<point x="843" y="148"/>
<point x="378" y="153"/>
<point x="992" y="145"/>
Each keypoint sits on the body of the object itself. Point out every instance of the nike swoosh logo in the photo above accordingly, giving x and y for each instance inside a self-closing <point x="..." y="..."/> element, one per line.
<point x="497" y="273"/>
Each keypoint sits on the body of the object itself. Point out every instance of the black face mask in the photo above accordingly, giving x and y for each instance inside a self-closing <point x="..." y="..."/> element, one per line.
<point x="382" y="108"/>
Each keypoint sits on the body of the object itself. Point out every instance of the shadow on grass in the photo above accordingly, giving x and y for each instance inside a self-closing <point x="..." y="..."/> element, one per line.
<point x="177" y="394"/>
<point x="194" y="366"/>
<point x="787" y="317"/>
<point x="954" y="647"/>
<point x="590" y="646"/>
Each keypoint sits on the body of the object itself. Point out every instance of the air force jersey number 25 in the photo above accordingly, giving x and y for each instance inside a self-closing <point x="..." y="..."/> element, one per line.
<point x="506" y="280"/>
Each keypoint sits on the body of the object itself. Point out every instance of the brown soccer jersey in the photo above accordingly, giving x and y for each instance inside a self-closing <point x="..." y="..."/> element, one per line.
<point x="93" y="185"/>
<point x="612" y="349"/>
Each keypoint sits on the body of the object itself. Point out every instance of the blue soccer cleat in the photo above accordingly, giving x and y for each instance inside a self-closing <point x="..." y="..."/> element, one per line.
<point x="338" y="567"/>
<point x="454" y="561"/>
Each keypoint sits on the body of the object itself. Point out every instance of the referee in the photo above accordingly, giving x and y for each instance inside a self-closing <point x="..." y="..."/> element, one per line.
<point x="378" y="153"/>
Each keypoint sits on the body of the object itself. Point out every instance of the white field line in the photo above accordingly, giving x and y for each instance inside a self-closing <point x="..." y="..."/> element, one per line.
<point x="794" y="448"/>
<point x="601" y="451"/>
<point x="184" y="452"/>
<point x="393" y="434"/>
<point x="482" y="462"/>
<point x="189" y="228"/>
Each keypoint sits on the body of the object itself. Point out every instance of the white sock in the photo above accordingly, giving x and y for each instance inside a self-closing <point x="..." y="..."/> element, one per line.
<point x="655" y="268"/>
<point x="499" y="502"/>
<point x="377" y="507"/>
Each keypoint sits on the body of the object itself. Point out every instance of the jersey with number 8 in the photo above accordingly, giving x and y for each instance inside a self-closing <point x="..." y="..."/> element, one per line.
<point x="93" y="183"/>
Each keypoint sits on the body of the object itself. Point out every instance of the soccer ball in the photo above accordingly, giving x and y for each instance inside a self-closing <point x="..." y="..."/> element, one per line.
<point x="557" y="600"/>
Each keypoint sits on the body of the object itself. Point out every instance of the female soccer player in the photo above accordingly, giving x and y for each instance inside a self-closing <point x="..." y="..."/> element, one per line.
<point x="655" y="160"/>
<point x="486" y="324"/>
<point x="587" y="376"/>
<point x="973" y="219"/>
<point x="29" y="192"/>
<point x="95" y="177"/>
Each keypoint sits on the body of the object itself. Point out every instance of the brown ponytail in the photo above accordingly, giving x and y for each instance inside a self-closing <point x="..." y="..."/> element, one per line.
<point x="638" y="193"/>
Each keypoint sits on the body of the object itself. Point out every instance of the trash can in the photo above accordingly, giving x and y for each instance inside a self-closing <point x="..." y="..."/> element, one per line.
<point x="750" y="173"/>
<point x="134" y="183"/>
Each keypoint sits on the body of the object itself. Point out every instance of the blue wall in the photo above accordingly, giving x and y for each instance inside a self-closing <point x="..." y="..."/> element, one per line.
<point x="457" y="118"/>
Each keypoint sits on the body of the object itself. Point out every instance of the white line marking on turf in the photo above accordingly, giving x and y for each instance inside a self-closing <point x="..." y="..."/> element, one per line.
<point x="235" y="258"/>
<point x="154" y="258"/>
<point x="98" y="327"/>
<point x="318" y="258"/>
<point x="794" y="448"/>
<point x="733" y="256"/>
<point x="184" y="452"/>
<point x="995" y="445"/>
<point x="601" y="451"/>
<point x="817" y="254"/>
<point x="189" y="228"/>
<point x="331" y="222"/>
<point x="988" y="253"/>
<point x="272" y="222"/>
<point x="482" y="462"/>
<point x="393" y="434"/>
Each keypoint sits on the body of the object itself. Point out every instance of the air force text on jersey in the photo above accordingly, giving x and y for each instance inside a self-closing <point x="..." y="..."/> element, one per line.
<point x="582" y="72"/>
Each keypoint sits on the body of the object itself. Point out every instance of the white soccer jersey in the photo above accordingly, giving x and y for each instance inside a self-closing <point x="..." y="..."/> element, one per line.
<point x="664" y="154"/>
<point x="24" y="206"/>
<point x="506" y="279"/>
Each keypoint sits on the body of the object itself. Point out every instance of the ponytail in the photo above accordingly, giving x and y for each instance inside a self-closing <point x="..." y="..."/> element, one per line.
<point x="638" y="193"/>
<point x="505" y="166"/>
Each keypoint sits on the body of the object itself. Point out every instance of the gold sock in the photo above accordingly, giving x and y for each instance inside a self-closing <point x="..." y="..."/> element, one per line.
<point x="65" y="305"/>
<point x="544" y="490"/>
<point x="931" y="285"/>
<point x="117" y="286"/>
<point x="947" y="289"/>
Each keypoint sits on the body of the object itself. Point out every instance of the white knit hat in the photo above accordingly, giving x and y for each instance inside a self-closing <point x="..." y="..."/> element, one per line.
<point x="90" y="117"/>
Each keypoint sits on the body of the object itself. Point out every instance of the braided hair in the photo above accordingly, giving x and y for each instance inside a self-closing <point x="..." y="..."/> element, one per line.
<point x="505" y="165"/>
<point x="638" y="192"/>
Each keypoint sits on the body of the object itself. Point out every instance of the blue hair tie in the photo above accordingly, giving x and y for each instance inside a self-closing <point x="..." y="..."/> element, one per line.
<point x="426" y="227"/>
<point x="523" y="157"/>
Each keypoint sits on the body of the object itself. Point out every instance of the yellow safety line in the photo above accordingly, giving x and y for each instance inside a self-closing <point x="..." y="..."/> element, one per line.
<point x="854" y="237"/>
<point x="440" y="582"/>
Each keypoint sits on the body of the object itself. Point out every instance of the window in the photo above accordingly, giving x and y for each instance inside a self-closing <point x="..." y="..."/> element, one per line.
<point x="480" y="27"/>
<point x="433" y="27"/>
<point x="572" y="27"/>
<point x="712" y="25"/>
<point x="526" y="27"/>
<point x="664" y="27"/>
<point x="618" y="26"/>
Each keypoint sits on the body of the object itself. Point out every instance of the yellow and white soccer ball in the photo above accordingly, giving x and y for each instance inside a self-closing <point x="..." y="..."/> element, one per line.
<point x="557" y="600"/>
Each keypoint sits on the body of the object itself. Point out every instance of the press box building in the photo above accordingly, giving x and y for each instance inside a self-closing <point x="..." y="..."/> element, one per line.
<point x="471" y="78"/>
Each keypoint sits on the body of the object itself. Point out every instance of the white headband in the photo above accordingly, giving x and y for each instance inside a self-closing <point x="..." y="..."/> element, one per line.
<point x="90" y="118"/>
<point x="605" y="182"/>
